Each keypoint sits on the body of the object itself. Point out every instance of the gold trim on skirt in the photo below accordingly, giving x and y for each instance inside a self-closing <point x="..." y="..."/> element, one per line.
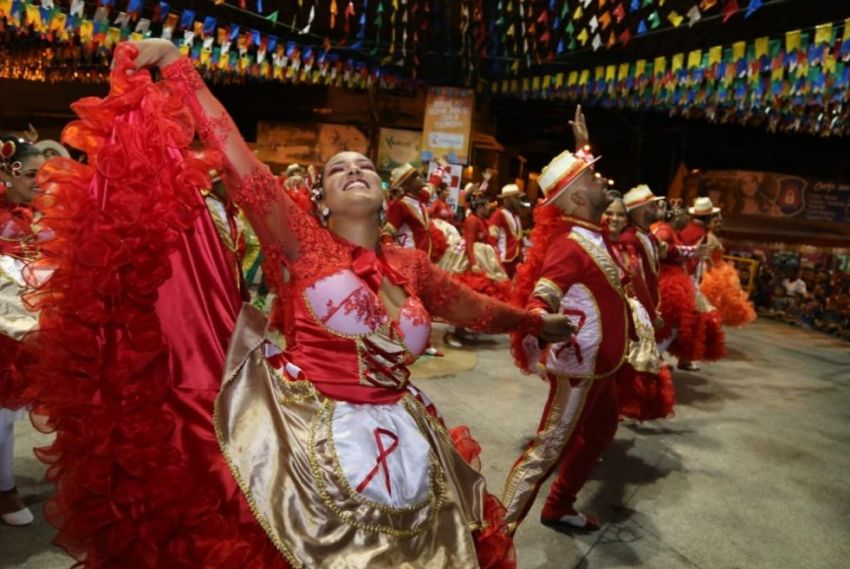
<point x="277" y="439"/>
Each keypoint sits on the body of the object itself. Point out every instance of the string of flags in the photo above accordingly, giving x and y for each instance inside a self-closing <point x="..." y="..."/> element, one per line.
<point x="799" y="83"/>
<point x="224" y="52"/>
<point x="527" y="33"/>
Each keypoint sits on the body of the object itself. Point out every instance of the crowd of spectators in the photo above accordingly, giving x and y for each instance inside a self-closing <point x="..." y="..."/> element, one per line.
<point x="817" y="299"/>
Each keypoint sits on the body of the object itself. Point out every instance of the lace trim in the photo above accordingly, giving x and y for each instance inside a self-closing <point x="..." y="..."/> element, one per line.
<point x="183" y="72"/>
<point x="256" y="191"/>
<point x="214" y="130"/>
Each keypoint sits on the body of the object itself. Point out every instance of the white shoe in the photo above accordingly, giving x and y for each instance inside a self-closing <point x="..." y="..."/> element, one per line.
<point x="22" y="517"/>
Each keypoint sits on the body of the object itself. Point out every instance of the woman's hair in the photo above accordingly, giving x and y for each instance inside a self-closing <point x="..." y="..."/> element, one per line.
<point x="764" y="201"/>
<point x="14" y="151"/>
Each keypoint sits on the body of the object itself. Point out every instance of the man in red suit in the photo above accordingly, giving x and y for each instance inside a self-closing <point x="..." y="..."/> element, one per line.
<point x="407" y="217"/>
<point x="571" y="270"/>
<point x="643" y="210"/>
<point x="506" y="228"/>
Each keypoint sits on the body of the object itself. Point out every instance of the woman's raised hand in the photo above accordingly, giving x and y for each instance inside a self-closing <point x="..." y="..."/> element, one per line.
<point x="155" y="52"/>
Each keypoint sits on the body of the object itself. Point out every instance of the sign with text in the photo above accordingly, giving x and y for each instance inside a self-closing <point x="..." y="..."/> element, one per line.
<point x="448" y="124"/>
<point x="397" y="147"/>
<point x="770" y="194"/>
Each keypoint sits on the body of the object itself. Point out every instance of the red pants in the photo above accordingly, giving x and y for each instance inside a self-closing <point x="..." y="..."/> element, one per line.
<point x="578" y="424"/>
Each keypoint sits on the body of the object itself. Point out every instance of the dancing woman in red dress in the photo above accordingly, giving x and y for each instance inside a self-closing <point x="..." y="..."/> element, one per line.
<point x="318" y="455"/>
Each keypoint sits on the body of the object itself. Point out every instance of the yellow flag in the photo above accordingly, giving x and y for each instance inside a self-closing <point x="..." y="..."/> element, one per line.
<point x="660" y="65"/>
<point x="535" y="84"/>
<point x="829" y="63"/>
<point x="525" y="84"/>
<point x="135" y="36"/>
<point x="113" y="36"/>
<point x="599" y="73"/>
<point x="739" y="49"/>
<point x="640" y="67"/>
<point x="792" y="41"/>
<point x="823" y="34"/>
<point x="623" y="72"/>
<point x="559" y="80"/>
<point x="761" y="46"/>
<point x="582" y="36"/>
<point x="715" y="55"/>
<point x="5" y="8"/>
<point x="610" y="72"/>
<point x="86" y="30"/>
<point x="578" y="13"/>
<point x="34" y="18"/>
<point x="675" y="18"/>
<point x="572" y="79"/>
<point x="678" y="62"/>
<point x="205" y="56"/>
<point x="585" y="77"/>
<point x="846" y="29"/>
<point x="694" y="59"/>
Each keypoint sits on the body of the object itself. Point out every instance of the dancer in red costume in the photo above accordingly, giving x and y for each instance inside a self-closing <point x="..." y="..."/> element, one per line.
<point x="320" y="456"/>
<point x="677" y="304"/>
<point x="19" y="162"/>
<point x="571" y="269"/>
<point x="721" y="284"/>
<point x="710" y="339"/>
<point x="646" y="390"/>
<point x="441" y="209"/>
<point x="407" y="217"/>
<point x="506" y="229"/>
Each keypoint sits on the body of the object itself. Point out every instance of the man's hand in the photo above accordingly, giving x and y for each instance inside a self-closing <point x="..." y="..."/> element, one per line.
<point x="557" y="328"/>
<point x="580" y="132"/>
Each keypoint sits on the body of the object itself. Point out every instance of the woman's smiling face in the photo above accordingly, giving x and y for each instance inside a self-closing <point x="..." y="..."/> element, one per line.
<point x="352" y="186"/>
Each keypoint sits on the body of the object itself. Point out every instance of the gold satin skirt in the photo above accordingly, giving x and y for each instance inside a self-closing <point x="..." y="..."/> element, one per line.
<point x="454" y="260"/>
<point x="282" y="441"/>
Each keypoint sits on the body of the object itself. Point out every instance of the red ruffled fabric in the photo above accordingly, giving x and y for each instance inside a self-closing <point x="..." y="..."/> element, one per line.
<point x="481" y="283"/>
<point x="711" y="341"/>
<point x="645" y="396"/>
<point x="722" y="287"/>
<point x="547" y="218"/>
<point x="493" y="543"/>
<point x="12" y="385"/>
<point x="140" y="482"/>
<point x="439" y="243"/>
<point x="678" y="310"/>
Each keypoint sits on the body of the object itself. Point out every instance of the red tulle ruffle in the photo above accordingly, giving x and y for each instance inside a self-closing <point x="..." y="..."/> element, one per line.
<point x="481" y="283"/>
<point x="646" y="396"/>
<point x="722" y="287"/>
<point x="679" y="311"/>
<point x="140" y="482"/>
<point x="439" y="243"/>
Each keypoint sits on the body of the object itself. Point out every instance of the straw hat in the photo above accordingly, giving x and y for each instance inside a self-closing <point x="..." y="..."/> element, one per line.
<point x="401" y="174"/>
<point x="510" y="190"/>
<point x="703" y="206"/>
<point x="638" y="196"/>
<point x="48" y="144"/>
<point x="562" y="171"/>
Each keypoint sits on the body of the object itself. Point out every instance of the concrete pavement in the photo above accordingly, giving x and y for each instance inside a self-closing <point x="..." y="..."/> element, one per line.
<point x="750" y="473"/>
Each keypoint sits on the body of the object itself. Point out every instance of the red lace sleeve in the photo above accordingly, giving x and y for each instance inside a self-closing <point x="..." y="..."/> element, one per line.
<point x="282" y="227"/>
<point x="470" y="233"/>
<point x="445" y="297"/>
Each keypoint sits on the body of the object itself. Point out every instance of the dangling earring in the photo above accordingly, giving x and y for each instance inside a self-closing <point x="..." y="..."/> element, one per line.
<point x="326" y="214"/>
<point x="382" y="217"/>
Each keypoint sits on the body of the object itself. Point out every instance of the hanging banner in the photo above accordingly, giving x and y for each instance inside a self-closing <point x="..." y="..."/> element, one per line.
<point x="455" y="173"/>
<point x="397" y="147"/>
<point x="448" y="124"/>
<point x="739" y="192"/>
